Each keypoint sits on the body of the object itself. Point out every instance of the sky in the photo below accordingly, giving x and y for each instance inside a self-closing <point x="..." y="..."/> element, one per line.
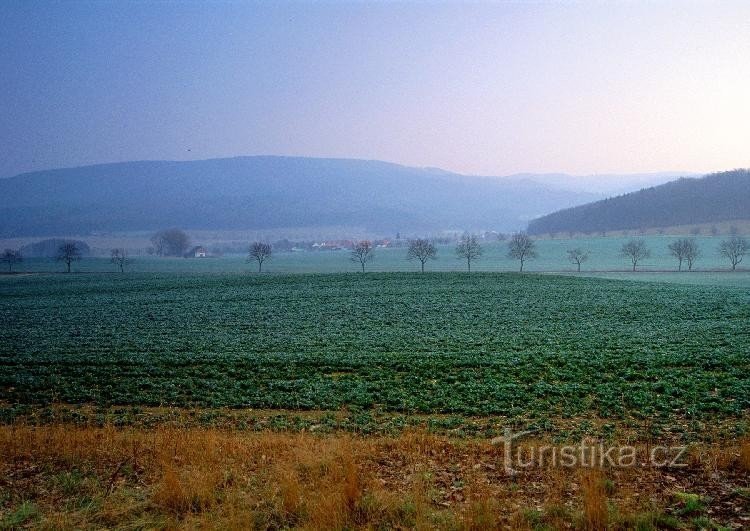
<point x="479" y="88"/>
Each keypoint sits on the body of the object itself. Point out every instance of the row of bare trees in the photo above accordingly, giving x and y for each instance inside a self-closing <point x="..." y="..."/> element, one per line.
<point x="67" y="253"/>
<point x="686" y="251"/>
<point x="522" y="247"/>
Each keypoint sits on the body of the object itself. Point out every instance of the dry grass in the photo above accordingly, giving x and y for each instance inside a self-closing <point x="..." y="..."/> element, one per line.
<point x="594" y="500"/>
<point x="743" y="461"/>
<point x="66" y="477"/>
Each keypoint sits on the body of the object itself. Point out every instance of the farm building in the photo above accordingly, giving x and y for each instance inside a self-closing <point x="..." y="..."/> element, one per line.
<point x="198" y="252"/>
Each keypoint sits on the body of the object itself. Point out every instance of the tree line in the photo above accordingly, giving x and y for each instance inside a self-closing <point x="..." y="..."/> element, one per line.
<point x="520" y="247"/>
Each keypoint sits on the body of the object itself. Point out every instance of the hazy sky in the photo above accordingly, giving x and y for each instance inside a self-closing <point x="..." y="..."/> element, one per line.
<point x="487" y="88"/>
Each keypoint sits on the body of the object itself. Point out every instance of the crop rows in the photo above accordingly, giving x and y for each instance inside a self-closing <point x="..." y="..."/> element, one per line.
<point x="481" y="344"/>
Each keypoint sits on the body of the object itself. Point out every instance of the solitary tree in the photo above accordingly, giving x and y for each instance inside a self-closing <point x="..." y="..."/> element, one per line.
<point x="684" y="249"/>
<point x="692" y="252"/>
<point x="362" y="253"/>
<point x="578" y="256"/>
<point x="170" y="242"/>
<point x="119" y="257"/>
<point x="468" y="249"/>
<point x="636" y="251"/>
<point x="11" y="257"/>
<point x="68" y="253"/>
<point x="521" y="247"/>
<point x="735" y="249"/>
<point x="259" y="252"/>
<point x="421" y="250"/>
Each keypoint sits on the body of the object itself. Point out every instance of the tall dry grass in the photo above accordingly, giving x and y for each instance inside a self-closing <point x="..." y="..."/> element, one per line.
<point x="81" y="477"/>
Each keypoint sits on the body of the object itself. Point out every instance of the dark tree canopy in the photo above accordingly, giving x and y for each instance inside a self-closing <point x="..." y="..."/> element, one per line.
<point x="362" y="252"/>
<point x="422" y="250"/>
<point x="11" y="257"/>
<point x="469" y="249"/>
<point x="521" y="247"/>
<point x="170" y="242"/>
<point x="635" y="250"/>
<point x="68" y="253"/>
<point x="734" y="249"/>
<point x="259" y="252"/>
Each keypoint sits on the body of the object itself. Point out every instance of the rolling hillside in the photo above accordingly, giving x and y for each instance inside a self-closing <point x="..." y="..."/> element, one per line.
<point x="268" y="193"/>
<point x="714" y="198"/>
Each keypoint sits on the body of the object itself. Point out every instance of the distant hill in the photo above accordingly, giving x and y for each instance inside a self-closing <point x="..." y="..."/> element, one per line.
<point x="714" y="198"/>
<point x="268" y="193"/>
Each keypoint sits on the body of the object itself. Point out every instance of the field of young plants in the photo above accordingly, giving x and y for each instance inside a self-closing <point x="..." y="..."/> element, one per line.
<point x="527" y="347"/>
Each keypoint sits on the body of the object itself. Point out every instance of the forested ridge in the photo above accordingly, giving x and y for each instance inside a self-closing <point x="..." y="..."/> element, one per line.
<point x="716" y="197"/>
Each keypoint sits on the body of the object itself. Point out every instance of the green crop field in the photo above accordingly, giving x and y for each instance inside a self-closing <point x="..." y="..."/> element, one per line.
<point x="516" y="346"/>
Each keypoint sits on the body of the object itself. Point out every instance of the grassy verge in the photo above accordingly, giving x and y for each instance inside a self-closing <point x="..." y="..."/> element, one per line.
<point x="64" y="476"/>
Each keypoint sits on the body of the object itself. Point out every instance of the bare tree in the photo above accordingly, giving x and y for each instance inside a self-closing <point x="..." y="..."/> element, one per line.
<point x="170" y="242"/>
<point x="362" y="252"/>
<point x="259" y="252"/>
<point x="68" y="253"/>
<point x="119" y="257"/>
<point x="468" y="249"/>
<point x="684" y="249"/>
<point x="636" y="251"/>
<point x="11" y="257"/>
<point x="692" y="252"/>
<point x="578" y="256"/>
<point x="421" y="250"/>
<point x="735" y="249"/>
<point x="521" y="247"/>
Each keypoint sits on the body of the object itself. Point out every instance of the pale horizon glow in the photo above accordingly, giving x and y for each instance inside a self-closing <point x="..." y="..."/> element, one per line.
<point x="488" y="89"/>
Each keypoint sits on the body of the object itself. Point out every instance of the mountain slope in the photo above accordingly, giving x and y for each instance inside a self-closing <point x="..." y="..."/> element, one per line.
<point x="267" y="192"/>
<point x="717" y="197"/>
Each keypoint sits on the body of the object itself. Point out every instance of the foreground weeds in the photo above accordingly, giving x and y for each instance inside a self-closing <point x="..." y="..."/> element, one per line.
<point x="65" y="477"/>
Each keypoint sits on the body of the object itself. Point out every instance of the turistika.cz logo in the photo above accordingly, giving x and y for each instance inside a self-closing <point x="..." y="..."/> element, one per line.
<point x="588" y="453"/>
